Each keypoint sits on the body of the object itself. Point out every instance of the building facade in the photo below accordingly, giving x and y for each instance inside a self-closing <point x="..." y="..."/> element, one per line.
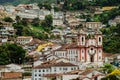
<point x="88" y="48"/>
<point x="53" y="68"/>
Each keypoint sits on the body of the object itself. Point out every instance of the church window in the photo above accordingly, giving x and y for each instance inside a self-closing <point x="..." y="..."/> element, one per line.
<point x="82" y="51"/>
<point x="99" y="39"/>
<point x="99" y="57"/>
<point x="82" y="39"/>
<point x="91" y="49"/>
<point x="82" y="57"/>
<point x="99" y="51"/>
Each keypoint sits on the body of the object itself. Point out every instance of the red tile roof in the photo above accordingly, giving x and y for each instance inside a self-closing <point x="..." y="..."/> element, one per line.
<point x="11" y="75"/>
<point x="54" y="65"/>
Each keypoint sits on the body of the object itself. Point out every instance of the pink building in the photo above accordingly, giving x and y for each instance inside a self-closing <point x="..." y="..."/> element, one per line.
<point x="88" y="48"/>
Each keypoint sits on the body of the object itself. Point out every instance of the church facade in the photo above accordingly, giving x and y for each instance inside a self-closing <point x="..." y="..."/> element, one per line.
<point x="88" y="48"/>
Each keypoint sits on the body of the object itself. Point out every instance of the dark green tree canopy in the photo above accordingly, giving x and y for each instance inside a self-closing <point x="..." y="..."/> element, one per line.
<point x="8" y="19"/>
<point x="11" y="53"/>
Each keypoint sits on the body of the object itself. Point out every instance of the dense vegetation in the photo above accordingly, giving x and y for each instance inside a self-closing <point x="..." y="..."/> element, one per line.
<point x="36" y="28"/>
<point x="106" y="2"/>
<point x="111" y="39"/>
<point x="16" y="2"/>
<point x="11" y="53"/>
<point x="114" y="75"/>
<point x="107" y="15"/>
<point x="69" y="4"/>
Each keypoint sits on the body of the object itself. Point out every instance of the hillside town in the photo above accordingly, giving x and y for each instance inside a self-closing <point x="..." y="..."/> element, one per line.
<point x="48" y="44"/>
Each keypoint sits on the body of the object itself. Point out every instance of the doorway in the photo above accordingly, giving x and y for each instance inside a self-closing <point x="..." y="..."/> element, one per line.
<point x="92" y="58"/>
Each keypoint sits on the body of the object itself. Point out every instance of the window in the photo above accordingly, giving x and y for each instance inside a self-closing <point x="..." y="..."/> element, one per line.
<point x="82" y="51"/>
<point x="39" y="78"/>
<point x="47" y="70"/>
<point x="35" y="74"/>
<point x="82" y="57"/>
<point x="99" y="51"/>
<point x="35" y="70"/>
<point x="99" y="57"/>
<point x="39" y="74"/>
<point x="59" y="68"/>
<point x="43" y="70"/>
<point x="64" y="68"/>
<point x="82" y="39"/>
<point x="72" y="69"/>
<point x="39" y="70"/>
<point x="99" y="39"/>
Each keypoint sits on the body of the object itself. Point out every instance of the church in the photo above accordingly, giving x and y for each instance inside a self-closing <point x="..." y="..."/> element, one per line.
<point x="87" y="48"/>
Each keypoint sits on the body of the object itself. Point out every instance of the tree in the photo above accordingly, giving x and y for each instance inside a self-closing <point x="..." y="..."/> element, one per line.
<point x="18" y="19"/>
<point x="36" y="22"/>
<point x="114" y="75"/>
<point x="49" y="20"/>
<point x="107" y="68"/>
<point x="11" y="53"/>
<point x="47" y="23"/>
<point x="24" y="21"/>
<point x="45" y="5"/>
<point x="8" y="19"/>
<point x="19" y="28"/>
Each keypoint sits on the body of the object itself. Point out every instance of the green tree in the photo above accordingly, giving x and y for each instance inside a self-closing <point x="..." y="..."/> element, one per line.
<point x="18" y="19"/>
<point x="45" y="5"/>
<point x="114" y="75"/>
<point x="11" y="53"/>
<point x="8" y="19"/>
<point x="47" y="23"/>
<point x="36" y="22"/>
<point x="107" y="68"/>
<point x="19" y="29"/>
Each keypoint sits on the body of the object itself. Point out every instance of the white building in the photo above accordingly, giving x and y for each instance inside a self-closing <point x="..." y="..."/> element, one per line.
<point x="6" y="30"/>
<point x="24" y="39"/>
<point x="93" y="25"/>
<point x="57" y="22"/>
<point x="56" y="68"/>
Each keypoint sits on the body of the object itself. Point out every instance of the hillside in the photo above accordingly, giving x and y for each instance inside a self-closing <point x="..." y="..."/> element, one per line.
<point x="16" y="2"/>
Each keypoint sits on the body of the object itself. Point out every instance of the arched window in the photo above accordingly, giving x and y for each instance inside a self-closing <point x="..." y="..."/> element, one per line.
<point x="99" y="39"/>
<point x="82" y="39"/>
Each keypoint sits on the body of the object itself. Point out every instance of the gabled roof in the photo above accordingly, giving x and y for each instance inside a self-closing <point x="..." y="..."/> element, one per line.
<point x="59" y="64"/>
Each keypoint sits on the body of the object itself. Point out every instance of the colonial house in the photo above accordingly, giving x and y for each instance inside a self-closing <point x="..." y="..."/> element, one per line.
<point x="39" y="72"/>
<point x="57" y="22"/>
<point x="57" y="18"/>
<point x="87" y="48"/>
<point x="24" y="40"/>
<point x="6" y="31"/>
<point x="93" y="25"/>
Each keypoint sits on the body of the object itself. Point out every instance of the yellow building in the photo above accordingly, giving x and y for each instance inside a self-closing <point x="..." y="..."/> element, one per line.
<point x="107" y="8"/>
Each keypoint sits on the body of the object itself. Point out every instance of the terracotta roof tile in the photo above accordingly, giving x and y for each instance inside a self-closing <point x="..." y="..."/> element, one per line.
<point x="11" y="75"/>
<point x="54" y="64"/>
